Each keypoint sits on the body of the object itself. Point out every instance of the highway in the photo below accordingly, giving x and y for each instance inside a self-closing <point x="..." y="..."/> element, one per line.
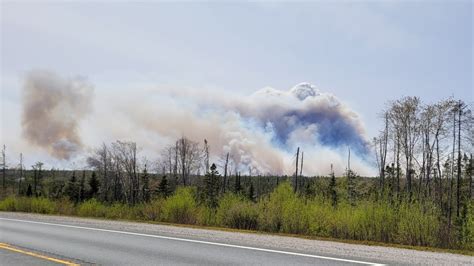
<point x="72" y="241"/>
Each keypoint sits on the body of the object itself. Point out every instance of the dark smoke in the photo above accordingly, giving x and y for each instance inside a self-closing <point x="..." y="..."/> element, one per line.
<point x="52" y="110"/>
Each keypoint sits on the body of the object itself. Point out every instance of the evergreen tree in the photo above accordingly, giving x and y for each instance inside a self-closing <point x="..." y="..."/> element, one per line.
<point x="351" y="193"/>
<point x="332" y="189"/>
<point x="211" y="187"/>
<point x="146" y="186"/>
<point x="237" y="185"/>
<point x="29" y="191"/>
<point x="251" y="192"/>
<point x="164" y="187"/>
<point x="72" y="189"/>
<point x="82" y="187"/>
<point x="93" y="185"/>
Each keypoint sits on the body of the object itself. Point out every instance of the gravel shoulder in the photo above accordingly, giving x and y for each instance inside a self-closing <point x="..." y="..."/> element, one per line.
<point x="388" y="255"/>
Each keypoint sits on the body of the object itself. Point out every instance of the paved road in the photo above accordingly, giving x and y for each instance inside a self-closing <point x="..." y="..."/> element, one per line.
<point x="118" y="243"/>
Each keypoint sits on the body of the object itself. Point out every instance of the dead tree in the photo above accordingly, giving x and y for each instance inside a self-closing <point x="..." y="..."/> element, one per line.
<point x="225" y="172"/>
<point x="296" y="172"/>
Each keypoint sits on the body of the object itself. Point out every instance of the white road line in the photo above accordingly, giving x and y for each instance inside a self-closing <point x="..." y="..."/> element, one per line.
<point x="197" y="241"/>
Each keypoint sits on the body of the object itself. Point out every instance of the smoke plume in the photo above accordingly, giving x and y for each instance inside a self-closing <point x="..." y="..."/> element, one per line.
<point x="260" y="131"/>
<point x="52" y="110"/>
<point x="306" y="115"/>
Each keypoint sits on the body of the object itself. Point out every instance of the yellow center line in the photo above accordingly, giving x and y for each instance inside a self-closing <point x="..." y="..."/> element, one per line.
<point x="65" y="262"/>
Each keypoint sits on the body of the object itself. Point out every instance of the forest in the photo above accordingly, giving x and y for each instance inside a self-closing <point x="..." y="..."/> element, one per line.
<point x="421" y="196"/>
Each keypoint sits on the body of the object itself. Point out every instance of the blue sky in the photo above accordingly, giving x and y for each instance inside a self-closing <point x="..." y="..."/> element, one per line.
<point x="365" y="53"/>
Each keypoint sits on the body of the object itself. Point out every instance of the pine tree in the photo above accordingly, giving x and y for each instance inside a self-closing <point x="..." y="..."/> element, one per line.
<point x="82" y="187"/>
<point x="29" y="191"/>
<point x="211" y="187"/>
<point x="351" y="187"/>
<point x="164" y="187"/>
<point x="251" y="192"/>
<point x="93" y="185"/>
<point x="332" y="189"/>
<point x="146" y="186"/>
<point x="237" y="185"/>
<point x="72" y="190"/>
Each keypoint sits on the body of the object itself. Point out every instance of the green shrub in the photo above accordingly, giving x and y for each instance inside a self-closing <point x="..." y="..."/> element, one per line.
<point x="295" y="216"/>
<point x="418" y="224"/>
<point x="92" y="208"/>
<point x="40" y="205"/>
<point x="152" y="211"/>
<point x="118" y="211"/>
<point x="181" y="207"/>
<point x="206" y="215"/>
<point x="8" y="204"/>
<point x="271" y="208"/>
<point x="234" y="211"/>
<point x="65" y="207"/>
<point x="321" y="218"/>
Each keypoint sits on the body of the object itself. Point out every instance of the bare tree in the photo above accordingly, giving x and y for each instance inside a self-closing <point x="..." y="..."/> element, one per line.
<point x="296" y="172"/>
<point x="405" y="115"/>
<point x="189" y="157"/>
<point x="101" y="161"/>
<point x="206" y="155"/>
<point x="125" y="155"/>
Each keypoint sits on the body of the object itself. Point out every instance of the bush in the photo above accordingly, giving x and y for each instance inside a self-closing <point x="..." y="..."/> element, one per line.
<point x="65" y="207"/>
<point x="234" y="211"/>
<point x="271" y="208"/>
<point x="321" y="218"/>
<point x="418" y="224"/>
<point x="206" y="216"/>
<point x="181" y="207"/>
<point x="151" y="211"/>
<point x="36" y="205"/>
<point x="92" y="208"/>
<point x="467" y="229"/>
<point x="118" y="211"/>
<point x="42" y="205"/>
<point x="8" y="204"/>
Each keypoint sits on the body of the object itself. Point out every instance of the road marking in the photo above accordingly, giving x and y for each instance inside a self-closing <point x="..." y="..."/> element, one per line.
<point x="197" y="241"/>
<point x="29" y="253"/>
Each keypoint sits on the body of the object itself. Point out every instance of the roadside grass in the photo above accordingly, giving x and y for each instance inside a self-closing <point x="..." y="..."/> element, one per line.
<point x="282" y="212"/>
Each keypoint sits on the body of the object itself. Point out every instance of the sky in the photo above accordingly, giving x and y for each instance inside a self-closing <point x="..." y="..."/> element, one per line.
<point x="365" y="53"/>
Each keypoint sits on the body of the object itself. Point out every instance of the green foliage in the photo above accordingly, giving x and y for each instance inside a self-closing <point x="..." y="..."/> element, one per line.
<point x="211" y="187"/>
<point x="418" y="224"/>
<point x="206" y="216"/>
<point x="72" y="189"/>
<point x="236" y="212"/>
<point x="94" y="186"/>
<point x="163" y="189"/>
<point x="332" y="190"/>
<point x="181" y="207"/>
<point x="271" y="207"/>
<point x="409" y="223"/>
<point x="21" y="204"/>
<point x="146" y="186"/>
<point x="8" y="204"/>
<point x="92" y="208"/>
<point x="152" y="210"/>
<point x="29" y="191"/>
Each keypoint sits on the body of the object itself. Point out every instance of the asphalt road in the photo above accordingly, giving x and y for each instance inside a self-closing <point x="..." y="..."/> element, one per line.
<point x="107" y="243"/>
